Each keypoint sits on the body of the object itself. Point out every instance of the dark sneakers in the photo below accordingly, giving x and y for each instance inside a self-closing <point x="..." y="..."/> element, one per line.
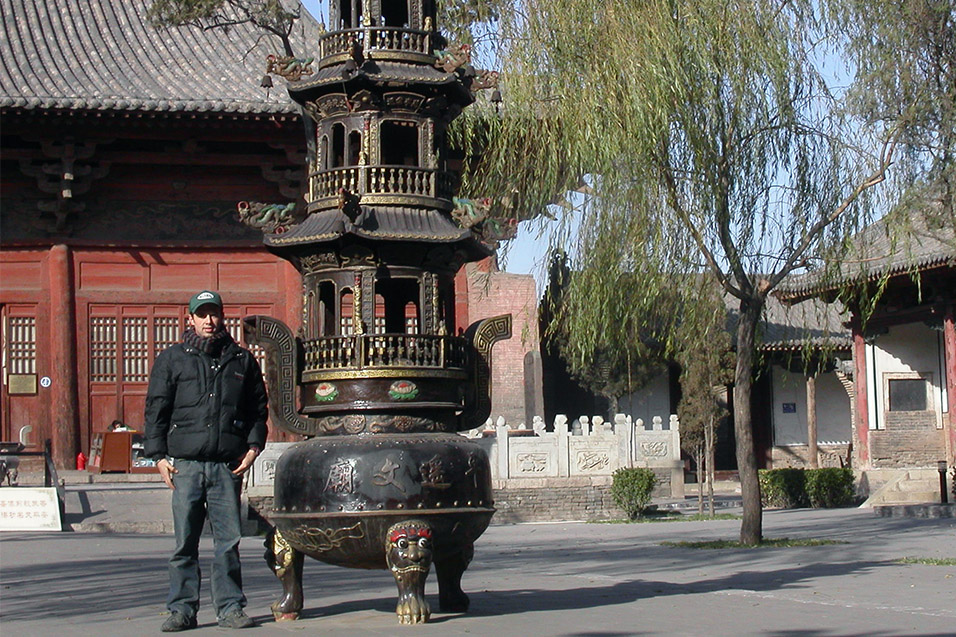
<point x="177" y="622"/>
<point x="236" y="619"/>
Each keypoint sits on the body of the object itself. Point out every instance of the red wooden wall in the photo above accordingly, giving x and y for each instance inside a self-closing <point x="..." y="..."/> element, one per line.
<point x="93" y="319"/>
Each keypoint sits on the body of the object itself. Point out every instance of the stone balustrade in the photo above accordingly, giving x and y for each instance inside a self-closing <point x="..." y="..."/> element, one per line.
<point x="587" y="447"/>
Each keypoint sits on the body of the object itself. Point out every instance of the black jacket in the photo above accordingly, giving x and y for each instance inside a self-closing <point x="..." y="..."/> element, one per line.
<point x="201" y="410"/>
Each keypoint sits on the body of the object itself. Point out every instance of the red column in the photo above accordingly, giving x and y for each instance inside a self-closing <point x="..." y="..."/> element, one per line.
<point x="63" y="390"/>
<point x="862" y="451"/>
<point x="949" y="346"/>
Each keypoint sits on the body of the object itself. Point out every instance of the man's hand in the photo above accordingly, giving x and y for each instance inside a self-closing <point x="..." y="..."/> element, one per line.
<point x="166" y="470"/>
<point x="247" y="461"/>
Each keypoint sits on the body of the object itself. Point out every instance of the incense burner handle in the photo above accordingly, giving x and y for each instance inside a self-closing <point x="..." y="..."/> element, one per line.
<point x="282" y="371"/>
<point x="483" y="335"/>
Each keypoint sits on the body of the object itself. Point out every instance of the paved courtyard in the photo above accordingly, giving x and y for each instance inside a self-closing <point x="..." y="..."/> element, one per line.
<point x="571" y="579"/>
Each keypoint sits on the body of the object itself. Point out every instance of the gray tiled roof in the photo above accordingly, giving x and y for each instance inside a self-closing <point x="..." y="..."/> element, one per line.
<point x="103" y="55"/>
<point x="918" y="242"/>
<point x="812" y="323"/>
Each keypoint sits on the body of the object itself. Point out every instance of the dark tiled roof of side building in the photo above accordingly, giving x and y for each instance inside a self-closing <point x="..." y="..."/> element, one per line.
<point x="811" y="324"/>
<point x="103" y="55"/>
<point x="884" y="248"/>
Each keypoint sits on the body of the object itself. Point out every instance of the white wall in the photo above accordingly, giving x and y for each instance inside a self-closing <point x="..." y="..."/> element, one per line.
<point x="913" y="347"/>
<point x="833" y="409"/>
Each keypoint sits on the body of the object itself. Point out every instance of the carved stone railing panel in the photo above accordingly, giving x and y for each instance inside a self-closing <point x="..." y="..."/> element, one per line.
<point x="588" y="447"/>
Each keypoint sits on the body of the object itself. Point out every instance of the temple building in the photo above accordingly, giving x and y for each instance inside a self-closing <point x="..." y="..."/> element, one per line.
<point x="129" y="157"/>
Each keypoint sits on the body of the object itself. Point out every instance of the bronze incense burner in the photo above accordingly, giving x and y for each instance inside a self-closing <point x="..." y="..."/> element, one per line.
<point x="376" y="379"/>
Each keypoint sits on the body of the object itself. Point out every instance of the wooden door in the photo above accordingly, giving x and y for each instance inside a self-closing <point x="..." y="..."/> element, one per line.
<point x="22" y="386"/>
<point x="124" y="340"/>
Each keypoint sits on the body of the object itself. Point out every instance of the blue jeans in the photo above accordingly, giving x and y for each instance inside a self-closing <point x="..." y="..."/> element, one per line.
<point x="205" y="488"/>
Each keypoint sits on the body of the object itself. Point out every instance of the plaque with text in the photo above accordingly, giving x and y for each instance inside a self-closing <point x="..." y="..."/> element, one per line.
<point x="29" y="509"/>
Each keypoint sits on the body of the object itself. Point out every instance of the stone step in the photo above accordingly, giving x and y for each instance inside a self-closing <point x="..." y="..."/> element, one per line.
<point x="905" y="497"/>
<point x="907" y="486"/>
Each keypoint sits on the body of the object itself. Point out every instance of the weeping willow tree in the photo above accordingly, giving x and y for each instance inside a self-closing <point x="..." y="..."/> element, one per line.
<point x="712" y="144"/>
<point x="628" y="359"/>
<point x="904" y="52"/>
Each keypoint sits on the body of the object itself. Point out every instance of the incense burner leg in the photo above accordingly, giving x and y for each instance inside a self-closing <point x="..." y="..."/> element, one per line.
<point x="286" y="563"/>
<point x="408" y="553"/>
<point x="449" y="569"/>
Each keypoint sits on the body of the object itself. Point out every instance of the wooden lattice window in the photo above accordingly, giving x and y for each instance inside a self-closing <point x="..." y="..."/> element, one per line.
<point x="167" y="331"/>
<point x="234" y="326"/>
<point x="135" y="349"/>
<point x="346" y="303"/>
<point x="103" y="349"/>
<point x="22" y="345"/>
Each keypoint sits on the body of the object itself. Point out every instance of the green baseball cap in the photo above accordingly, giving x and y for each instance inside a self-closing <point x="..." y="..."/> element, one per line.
<point x="206" y="297"/>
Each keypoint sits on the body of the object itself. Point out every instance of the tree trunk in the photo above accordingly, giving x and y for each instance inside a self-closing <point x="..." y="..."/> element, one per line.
<point x="812" y="422"/>
<point x="611" y="407"/>
<point x="699" y="459"/>
<point x="751" y="527"/>
<point x="709" y="454"/>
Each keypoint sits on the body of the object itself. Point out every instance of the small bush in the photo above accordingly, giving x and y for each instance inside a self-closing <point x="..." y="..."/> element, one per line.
<point x="631" y="490"/>
<point x="783" y="488"/>
<point x="829" y="488"/>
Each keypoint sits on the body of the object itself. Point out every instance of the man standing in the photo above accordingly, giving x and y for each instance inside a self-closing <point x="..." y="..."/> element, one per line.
<point x="206" y="411"/>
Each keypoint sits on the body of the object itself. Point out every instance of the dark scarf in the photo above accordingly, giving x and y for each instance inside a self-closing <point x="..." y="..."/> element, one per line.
<point x="212" y="345"/>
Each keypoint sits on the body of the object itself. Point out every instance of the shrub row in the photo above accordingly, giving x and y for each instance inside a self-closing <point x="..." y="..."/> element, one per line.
<point x="799" y="488"/>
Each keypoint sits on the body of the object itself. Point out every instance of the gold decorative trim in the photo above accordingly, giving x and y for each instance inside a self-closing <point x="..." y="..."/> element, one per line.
<point x="306" y="239"/>
<point x="381" y="512"/>
<point x="372" y="373"/>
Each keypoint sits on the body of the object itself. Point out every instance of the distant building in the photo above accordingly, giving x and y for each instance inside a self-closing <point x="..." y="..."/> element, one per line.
<point x="903" y="366"/>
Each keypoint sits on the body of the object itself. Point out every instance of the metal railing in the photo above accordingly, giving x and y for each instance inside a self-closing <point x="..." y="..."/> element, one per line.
<point x="376" y="40"/>
<point x="369" y="351"/>
<point x="383" y="180"/>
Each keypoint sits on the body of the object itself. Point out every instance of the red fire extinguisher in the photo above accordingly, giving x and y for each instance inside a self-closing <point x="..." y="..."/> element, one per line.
<point x="80" y="461"/>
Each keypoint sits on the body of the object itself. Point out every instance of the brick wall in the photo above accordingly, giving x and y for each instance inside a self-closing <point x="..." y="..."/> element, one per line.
<point x="909" y="439"/>
<point x="562" y="500"/>
<point x="494" y="293"/>
<point x="798" y="456"/>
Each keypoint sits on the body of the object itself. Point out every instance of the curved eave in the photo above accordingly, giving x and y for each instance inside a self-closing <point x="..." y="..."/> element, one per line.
<point x="132" y="104"/>
<point x="809" y="285"/>
<point x="381" y="223"/>
<point x="796" y="346"/>
<point x="389" y="74"/>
